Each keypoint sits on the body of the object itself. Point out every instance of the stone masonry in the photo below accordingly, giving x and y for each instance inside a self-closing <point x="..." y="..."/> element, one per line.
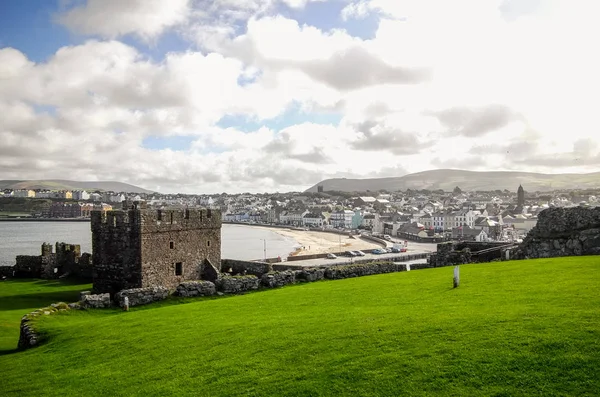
<point x="138" y="247"/>
<point x="563" y="232"/>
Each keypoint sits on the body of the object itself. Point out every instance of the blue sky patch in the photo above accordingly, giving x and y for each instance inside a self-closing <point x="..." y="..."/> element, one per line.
<point x="291" y="117"/>
<point x="327" y="16"/>
<point x="28" y="26"/>
<point x="177" y="143"/>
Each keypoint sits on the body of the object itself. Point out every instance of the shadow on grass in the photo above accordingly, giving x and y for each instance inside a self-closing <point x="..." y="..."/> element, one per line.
<point x="8" y="352"/>
<point x="37" y="299"/>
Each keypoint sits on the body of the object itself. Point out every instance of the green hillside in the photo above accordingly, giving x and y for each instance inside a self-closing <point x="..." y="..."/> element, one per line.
<point x="511" y="329"/>
<point x="59" y="184"/>
<point x="447" y="179"/>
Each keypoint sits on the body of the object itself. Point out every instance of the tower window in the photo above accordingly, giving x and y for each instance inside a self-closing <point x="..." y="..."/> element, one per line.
<point x="159" y="215"/>
<point x="178" y="269"/>
<point x="208" y="213"/>
<point x="187" y="214"/>
<point x="208" y="243"/>
<point x="171" y="245"/>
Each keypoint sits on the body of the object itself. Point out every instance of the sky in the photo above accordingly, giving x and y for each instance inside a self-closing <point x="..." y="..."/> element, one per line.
<point x="198" y="96"/>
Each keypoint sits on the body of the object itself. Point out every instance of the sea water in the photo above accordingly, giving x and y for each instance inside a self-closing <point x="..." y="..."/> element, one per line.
<point x="237" y="241"/>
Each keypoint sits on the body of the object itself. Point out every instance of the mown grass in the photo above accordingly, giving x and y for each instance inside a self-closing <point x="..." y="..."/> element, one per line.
<point x="510" y="329"/>
<point x="19" y="297"/>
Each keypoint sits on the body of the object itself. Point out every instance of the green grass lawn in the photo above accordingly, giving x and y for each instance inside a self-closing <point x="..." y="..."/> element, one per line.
<point x="19" y="297"/>
<point x="510" y="329"/>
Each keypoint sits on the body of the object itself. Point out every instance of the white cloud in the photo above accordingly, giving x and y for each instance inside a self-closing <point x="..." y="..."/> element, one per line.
<point x="359" y="10"/>
<point x="299" y="3"/>
<point x="147" y="19"/>
<point x="468" y="83"/>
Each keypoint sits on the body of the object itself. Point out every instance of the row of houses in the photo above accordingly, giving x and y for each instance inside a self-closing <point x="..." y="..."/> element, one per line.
<point x="72" y="210"/>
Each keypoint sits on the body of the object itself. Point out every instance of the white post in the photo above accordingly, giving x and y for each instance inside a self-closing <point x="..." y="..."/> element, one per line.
<point x="456" y="277"/>
<point x="126" y="304"/>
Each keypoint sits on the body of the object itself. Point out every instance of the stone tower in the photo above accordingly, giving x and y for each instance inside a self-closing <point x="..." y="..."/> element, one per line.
<point x="520" y="197"/>
<point x="138" y="247"/>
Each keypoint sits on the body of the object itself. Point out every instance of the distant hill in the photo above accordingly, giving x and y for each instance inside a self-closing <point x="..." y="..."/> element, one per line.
<point x="59" y="184"/>
<point x="467" y="180"/>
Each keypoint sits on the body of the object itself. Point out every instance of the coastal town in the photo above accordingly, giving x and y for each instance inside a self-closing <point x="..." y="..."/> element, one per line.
<point x="414" y="215"/>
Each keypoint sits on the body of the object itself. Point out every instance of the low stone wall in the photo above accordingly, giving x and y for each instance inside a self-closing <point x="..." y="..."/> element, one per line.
<point x="141" y="296"/>
<point x="237" y="284"/>
<point x="196" y="288"/>
<point x="278" y="279"/>
<point x="310" y="275"/>
<point x="348" y="271"/>
<point x="376" y="240"/>
<point x="29" y="336"/>
<point x="245" y="267"/>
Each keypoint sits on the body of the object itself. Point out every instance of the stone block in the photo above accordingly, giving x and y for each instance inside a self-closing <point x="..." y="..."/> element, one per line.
<point x="98" y="301"/>
<point x="278" y="279"/>
<point x="196" y="288"/>
<point x="238" y="284"/>
<point x="141" y="296"/>
<point x="310" y="274"/>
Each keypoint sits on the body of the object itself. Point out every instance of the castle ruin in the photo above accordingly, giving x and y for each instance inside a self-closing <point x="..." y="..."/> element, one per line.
<point x="138" y="247"/>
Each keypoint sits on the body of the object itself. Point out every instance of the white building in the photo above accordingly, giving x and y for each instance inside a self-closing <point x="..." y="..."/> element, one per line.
<point x="438" y="220"/>
<point x="24" y="193"/>
<point x="342" y="219"/>
<point x="313" y="220"/>
<point x="292" y="217"/>
<point x="80" y="195"/>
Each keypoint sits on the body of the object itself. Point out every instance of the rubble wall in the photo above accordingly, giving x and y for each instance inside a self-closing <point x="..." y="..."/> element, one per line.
<point x="563" y="232"/>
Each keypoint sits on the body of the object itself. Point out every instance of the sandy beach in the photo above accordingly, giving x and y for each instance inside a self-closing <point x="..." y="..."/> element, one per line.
<point x="312" y="242"/>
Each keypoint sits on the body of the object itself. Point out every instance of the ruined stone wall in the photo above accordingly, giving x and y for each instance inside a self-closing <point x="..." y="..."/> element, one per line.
<point x="563" y="232"/>
<point x="196" y="288"/>
<point x="51" y="265"/>
<point x="237" y="267"/>
<point x="278" y="279"/>
<point x="348" y="271"/>
<point x="67" y="257"/>
<point x="172" y="237"/>
<point x="141" y="296"/>
<point x="7" y="271"/>
<point x="237" y="284"/>
<point x="28" y="266"/>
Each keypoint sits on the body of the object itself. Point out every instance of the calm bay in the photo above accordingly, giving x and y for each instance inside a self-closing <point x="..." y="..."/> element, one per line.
<point x="238" y="241"/>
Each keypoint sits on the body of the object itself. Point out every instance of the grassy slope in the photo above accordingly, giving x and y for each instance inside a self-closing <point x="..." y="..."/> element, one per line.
<point x="512" y="328"/>
<point x="467" y="180"/>
<point x="18" y="297"/>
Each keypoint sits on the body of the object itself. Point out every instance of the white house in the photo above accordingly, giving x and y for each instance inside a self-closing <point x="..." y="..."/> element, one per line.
<point x="438" y="220"/>
<point x="292" y="217"/>
<point x="311" y="219"/>
<point x="80" y="195"/>
<point x="342" y="219"/>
